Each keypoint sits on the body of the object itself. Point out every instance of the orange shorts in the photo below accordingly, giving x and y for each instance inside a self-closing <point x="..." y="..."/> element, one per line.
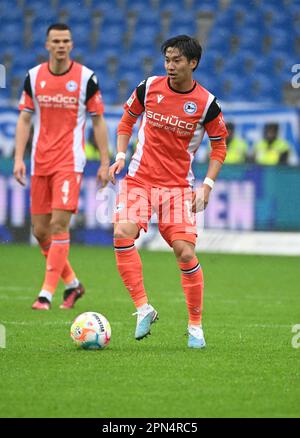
<point x="57" y="191"/>
<point x="138" y="202"/>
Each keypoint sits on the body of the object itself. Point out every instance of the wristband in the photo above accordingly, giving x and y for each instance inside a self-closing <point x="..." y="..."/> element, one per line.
<point x="120" y="156"/>
<point x="209" y="182"/>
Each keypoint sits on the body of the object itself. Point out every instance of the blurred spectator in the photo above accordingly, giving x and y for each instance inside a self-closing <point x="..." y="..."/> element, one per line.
<point x="91" y="150"/>
<point x="237" y="148"/>
<point x="271" y="150"/>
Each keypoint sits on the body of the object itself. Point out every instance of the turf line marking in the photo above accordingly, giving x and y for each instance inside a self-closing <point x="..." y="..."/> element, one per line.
<point x="270" y="325"/>
<point x="39" y="322"/>
<point x="33" y="323"/>
<point x="47" y="323"/>
<point x="13" y="297"/>
<point x="246" y="326"/>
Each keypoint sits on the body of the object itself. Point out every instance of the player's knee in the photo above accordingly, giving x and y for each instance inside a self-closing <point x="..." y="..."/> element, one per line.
<point x="123" y="232"/>
<point x="184" y="252"/>
<point x="186" y="256"/>
<point x="40" y="233"/>
<point x="58" y="227"/>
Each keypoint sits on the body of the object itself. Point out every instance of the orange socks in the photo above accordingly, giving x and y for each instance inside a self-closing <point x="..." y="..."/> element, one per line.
<point x="67" y="275"/>
<point x="45" y="246"/>
<point x="192" y="283"/>
<point x="56" y="261"/>
<point x="130" y="268"/>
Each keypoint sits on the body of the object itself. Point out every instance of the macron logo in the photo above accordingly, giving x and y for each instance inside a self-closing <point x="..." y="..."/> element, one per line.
<point x="160" y="98"/>
<point x="43" y="83"/>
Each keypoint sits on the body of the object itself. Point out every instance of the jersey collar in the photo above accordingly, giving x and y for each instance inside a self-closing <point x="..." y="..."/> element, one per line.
<point x="60" y="74"/>
<point x="181" y="92"/>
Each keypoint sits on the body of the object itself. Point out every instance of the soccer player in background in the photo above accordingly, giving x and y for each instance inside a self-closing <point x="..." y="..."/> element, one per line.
<point x="176" y="113"/>
<point x="58" y="94"/>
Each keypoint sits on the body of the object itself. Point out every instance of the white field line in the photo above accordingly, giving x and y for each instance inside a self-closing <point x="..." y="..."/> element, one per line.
<point x="33" y="323"/>
<point x="209" y="296"/>
<point x="14" y="297"/>
<point x="208" y="299"/>
<point x="212" y="298"/>
<point x="63" y="323"/>
<point x="260" y="326"/>
<point x="271" y="325"/>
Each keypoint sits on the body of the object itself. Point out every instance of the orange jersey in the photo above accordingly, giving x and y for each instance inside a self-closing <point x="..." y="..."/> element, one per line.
<point x="59" y="104"/>
<point x="171" y="131"/>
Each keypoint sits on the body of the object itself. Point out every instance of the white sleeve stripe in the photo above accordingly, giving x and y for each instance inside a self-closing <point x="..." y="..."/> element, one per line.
<point x="133" y="114"/>
<point x="210" y="99"/>
<point x="148" y="83"/>
<point x="37" y="118"/>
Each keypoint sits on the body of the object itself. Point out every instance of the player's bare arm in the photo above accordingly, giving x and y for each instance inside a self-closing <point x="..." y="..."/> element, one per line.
<point x="201" y="198"/>
<point x="22" y="136"/>
<point x="125" y="128"/>
<point x="217" y="133"/>
<point x="119" y="164"/>
<point x="101" y="138"/>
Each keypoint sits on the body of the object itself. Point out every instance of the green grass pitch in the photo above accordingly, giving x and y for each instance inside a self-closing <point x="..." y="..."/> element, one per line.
<point x="249" y="368"/>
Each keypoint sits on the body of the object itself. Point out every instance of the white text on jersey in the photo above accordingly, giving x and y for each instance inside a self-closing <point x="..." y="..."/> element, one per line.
<point x="170" y="120"/>
<point x="58" y="98"/>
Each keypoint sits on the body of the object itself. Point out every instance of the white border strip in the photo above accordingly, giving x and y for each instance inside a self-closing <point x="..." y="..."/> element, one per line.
<point x="237" y="242"/>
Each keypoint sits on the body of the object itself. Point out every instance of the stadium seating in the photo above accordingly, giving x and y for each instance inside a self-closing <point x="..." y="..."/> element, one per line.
<point x="242" y="46"/>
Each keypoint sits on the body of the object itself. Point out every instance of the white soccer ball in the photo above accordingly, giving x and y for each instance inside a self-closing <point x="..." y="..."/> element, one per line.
<point x="91" y="331"/>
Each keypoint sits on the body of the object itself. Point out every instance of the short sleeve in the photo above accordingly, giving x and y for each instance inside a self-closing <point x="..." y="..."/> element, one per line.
<point x="214" y="122"/>
<point x="26" y="101"/>
<point x="135" y="105"/>
<point x="94" y="102"/>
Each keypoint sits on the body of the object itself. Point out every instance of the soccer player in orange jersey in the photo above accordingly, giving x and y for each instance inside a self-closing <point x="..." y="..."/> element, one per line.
<point x="176" y="113"/>
<point x="58" y="94"/>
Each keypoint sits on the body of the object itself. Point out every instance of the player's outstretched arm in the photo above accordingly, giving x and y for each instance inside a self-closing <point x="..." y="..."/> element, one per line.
<point x="22" y="137"/>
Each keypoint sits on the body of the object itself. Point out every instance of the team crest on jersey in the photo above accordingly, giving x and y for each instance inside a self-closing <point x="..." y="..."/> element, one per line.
<point x="190" y="107"/>
<point x="71" y="86"/>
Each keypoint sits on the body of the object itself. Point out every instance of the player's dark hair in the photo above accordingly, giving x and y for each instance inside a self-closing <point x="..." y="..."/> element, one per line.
<point x="58" y="26"/>
<point x="188" y="46"/>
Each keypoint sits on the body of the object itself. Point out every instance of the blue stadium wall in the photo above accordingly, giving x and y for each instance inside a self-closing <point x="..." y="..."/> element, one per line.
<point x="245" y="197"/>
